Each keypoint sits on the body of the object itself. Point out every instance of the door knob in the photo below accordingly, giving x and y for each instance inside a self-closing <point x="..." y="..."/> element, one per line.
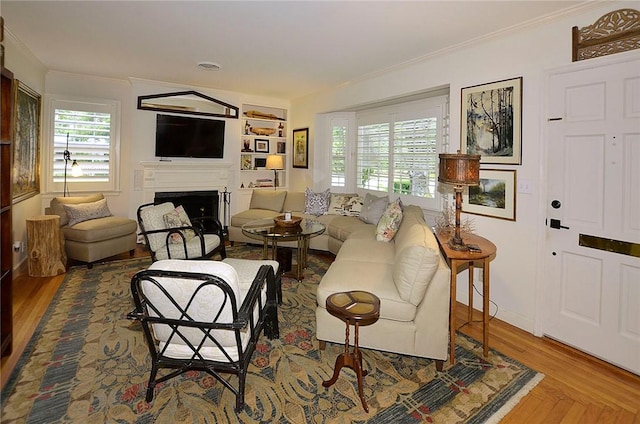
<point x="555" y="223"/>
<point x="556" y="204"/>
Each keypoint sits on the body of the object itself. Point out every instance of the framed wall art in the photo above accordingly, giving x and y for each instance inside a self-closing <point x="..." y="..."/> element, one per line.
<point x="26" y="146"/>
<point x="491" y="121"/>
<point x="246" y="162"/>
<point x="260" y="163"/>
<point x="262" y="145"/>
<point x="301" y="148"/>
<point x="281" y="147"/>
<point x="495" y="196"/>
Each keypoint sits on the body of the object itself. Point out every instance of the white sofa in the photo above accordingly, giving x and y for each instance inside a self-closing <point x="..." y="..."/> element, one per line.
<point x="408" y="274"/>
<point x="271" y="203"/>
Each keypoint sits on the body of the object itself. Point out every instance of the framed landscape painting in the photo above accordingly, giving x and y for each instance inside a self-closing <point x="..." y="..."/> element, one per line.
<point x="26" y="148"/>
<point x="495" y="196"/>
<point x="491" y="124"/>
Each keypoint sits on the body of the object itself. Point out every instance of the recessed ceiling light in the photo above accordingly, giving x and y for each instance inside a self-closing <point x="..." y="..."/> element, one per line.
<point x="209" y="66"/>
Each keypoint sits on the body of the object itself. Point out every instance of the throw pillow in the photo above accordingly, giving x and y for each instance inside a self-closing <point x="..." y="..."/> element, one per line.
<point x="345" y="205"/>
<point x="175" y="219"/>
<point x="81" y="212"/>
<point x="372" y="208"/>
<point x="316" y="203"/>
<point x="389" y="222"/>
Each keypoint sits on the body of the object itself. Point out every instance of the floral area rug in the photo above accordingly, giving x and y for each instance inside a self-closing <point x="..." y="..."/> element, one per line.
<point x="87" y="363"/>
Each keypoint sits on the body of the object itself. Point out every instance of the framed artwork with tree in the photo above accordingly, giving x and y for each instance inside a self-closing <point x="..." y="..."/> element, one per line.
<point x="491" y="126"/>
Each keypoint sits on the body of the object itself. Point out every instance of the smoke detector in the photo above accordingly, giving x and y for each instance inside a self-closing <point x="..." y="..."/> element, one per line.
<point x="209" y="66"/>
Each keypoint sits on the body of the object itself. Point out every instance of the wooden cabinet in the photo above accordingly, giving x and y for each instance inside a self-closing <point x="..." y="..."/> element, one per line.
<point x="6" y="252"/>
<point x="264" y="132"/>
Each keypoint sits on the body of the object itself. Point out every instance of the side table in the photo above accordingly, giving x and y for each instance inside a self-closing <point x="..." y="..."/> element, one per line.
<point x="354" y="308"/>
<point x="456" y="258"/>
<point x="46" y="256"/>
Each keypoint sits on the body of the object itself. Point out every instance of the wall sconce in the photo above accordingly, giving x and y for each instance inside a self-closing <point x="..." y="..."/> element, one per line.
<point x="276" y="163"/>
<point x="459" y="170"/>
<point x="76" y="171"/>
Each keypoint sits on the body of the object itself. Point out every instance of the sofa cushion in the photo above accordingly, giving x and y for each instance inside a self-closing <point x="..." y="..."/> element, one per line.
<point x="244" y="217"/>
<point x="412" y="272"/>
<point x="344" y="275"/>
<point x="56" y="206"/>
<point x="81" y="212"/>
<point x="345" y="204"/>
<point x="341" y="227"/>
<point x="100" y="229"/>
<point x="389" y="222"/>
<point x="268" y="199"/>
<point x="316" y="203"/>
<point x="175" y="219"/>
<point x="412" y="229"/>
<point x="294" y="201"/>
<point x="372" y="208"/>
<point x="368" y="250"/>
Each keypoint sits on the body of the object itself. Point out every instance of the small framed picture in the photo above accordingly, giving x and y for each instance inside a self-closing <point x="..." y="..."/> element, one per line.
<point x="261" y="145"/>
<point x="301" y="148"/>
<point x="495" y="196"/>
<point x="282" y="147"/>
<point x="246" y="162"/>
<point x="260" y="163"/>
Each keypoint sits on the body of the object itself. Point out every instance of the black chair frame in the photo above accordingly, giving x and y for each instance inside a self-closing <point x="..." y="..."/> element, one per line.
<point x="243" y="318"/>
<point x="197" y="226"/>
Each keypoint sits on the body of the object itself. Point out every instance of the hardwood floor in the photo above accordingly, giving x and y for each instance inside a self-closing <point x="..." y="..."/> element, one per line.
<point x="577" y="388"/>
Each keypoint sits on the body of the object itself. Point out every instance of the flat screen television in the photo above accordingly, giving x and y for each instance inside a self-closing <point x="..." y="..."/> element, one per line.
<point x="186" y="137"/>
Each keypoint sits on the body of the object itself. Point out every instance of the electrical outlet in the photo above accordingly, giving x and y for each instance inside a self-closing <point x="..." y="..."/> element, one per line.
<point x="17" y="246"/>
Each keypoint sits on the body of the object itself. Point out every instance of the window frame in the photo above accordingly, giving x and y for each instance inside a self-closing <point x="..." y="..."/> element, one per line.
<point x="111" y="106"/>
<point x="437" y="104"/>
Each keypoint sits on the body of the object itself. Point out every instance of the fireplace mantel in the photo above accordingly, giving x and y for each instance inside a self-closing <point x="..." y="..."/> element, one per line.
<point x="182" y="176"/>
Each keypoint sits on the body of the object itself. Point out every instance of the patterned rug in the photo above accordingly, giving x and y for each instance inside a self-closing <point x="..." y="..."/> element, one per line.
<point x="87" y="363"/>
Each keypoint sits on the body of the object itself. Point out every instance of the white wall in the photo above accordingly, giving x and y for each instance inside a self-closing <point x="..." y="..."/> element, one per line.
<point x="30" y="71"/>
<point x="527" y="52"/>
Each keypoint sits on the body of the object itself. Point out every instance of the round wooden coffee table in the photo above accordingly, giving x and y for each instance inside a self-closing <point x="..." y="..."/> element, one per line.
<point x="354" y="308"/>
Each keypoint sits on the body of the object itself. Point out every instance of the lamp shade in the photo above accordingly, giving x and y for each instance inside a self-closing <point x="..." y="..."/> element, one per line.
<point x="459" y="169"/>
<point x="275" y="162"/>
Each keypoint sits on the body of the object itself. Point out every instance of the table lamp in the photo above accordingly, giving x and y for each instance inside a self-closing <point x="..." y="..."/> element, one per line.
<point x="460" y="170"/>
<point x="276" y="163"/>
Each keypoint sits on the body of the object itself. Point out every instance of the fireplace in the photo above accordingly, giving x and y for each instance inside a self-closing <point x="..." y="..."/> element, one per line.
<point x="195" y="203"/>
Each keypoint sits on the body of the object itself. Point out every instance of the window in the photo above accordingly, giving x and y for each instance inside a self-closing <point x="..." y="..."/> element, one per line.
<point x="397" y="149"/>
<point x="89" y="131"/>
<point x="338" y="154"/>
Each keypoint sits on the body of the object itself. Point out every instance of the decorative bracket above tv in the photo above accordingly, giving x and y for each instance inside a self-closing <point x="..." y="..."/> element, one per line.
<point x="187" y="102"/>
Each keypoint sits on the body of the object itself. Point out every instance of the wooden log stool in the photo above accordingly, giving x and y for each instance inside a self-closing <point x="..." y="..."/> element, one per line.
<point x="46" y="256"/>
<point x="354" y="308"/>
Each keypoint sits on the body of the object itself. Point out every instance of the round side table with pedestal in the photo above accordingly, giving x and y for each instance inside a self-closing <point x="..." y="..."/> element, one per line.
<point x="354" y="308"/>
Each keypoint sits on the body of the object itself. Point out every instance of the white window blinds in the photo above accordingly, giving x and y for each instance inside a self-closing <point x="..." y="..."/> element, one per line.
<point x="398" y="148"/>
<point x="89" y="129"/>
<point x="89" y="137"/>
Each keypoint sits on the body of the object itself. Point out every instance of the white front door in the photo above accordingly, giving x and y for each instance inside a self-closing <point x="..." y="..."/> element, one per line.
<point x="591" y="294"/>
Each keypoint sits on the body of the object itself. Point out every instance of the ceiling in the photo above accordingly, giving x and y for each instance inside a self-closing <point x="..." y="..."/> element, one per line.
<point x="282" y="49"/>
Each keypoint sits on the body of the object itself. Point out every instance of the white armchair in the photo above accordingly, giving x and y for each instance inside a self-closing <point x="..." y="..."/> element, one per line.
<point x="170" y="234"/>
<point x="199" y="315"/>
